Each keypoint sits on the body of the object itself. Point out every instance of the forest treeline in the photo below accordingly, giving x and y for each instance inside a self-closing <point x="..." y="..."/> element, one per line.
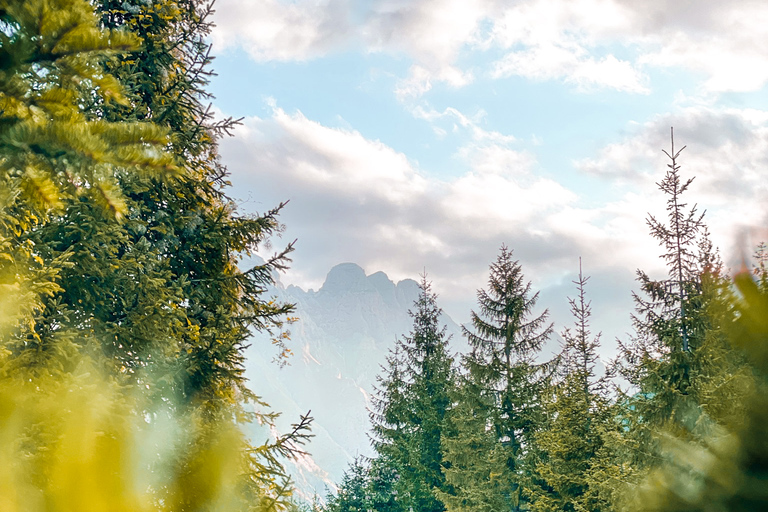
<point x="677" y="422"/>
<point x="124" y="316"/>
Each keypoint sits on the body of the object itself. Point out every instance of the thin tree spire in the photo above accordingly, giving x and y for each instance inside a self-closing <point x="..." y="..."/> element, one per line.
<point x="676" y="220"/>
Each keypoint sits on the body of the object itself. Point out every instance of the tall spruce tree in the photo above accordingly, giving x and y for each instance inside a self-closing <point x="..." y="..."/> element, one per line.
<point x="668" y="315"/>
<point x="680" y="364"/>
<point x="499" y="397"/>
<point x="195" y="228"/>
<point x="153" y="271"/>
<point x="113" y="199"/>
<point x="191" y="225"/>
<point x="367" y="485"/>
<point x="670" y="323"/>
<point x="568" y="474"/>
<point x="382" y="485"/>
<point x="411" y="404"/>
<point x="352" y="495"/>
<point x="760" y="267"/>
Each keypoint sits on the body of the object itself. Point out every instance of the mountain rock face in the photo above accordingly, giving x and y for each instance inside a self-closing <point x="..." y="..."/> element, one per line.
<point x="342" y="337"/>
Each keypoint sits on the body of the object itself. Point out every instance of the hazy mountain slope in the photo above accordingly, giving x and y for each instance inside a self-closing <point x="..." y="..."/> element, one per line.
<point x="343" y="334"/>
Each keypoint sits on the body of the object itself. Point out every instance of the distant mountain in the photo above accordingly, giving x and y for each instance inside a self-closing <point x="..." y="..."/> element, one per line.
<point x="342" y="337"/>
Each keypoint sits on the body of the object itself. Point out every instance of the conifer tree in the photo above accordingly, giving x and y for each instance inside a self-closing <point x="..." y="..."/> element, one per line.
<point x="163" y="285"/>
<point x="663" y="315"/>
<point x="724" y="466"/>
<point x="578" y="415"/>
<point x="760" y="268"/>
<point x="368" y="484"/>
<point x="500" y="394"/>
<point x="670" y="321"/>
<point x="352" y="495"/>
<point x="54" y="153"/>
<point x="680" y="363"/>
<point x="112" y="197"/>
<point x="191" y="224"/>
<point x="478" y="472"/>
<point x="409" y="411"/>
<point x="382" y="485"/>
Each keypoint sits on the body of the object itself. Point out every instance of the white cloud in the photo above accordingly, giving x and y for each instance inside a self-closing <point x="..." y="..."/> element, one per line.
<point x="273" y="30"/>
<point x="571" y="40"/>
<point x="419" y="80"/>
<point x="494" y="159"/>
<point x="543" y="22"/>
<point x="432" y="32"/>
<point x="610" y="73"/>
<point x="553" y="39"/>
<point x="544" y="40"/>
<point x="573" y="66"/>
<point x="729" y="63"/>
<point x="345" y="161"/>
<point x="354" y="199"/>
<point x="568" y="39"/>
<point x="493" y="204"/>
<point x="727" y="149"/>
<point x="472" y="124"/>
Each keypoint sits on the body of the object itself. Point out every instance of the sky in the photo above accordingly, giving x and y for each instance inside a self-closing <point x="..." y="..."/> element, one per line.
<point x="421" y="135"/>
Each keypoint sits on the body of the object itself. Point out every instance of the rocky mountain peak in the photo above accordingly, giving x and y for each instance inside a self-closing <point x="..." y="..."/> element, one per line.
<point x="345" y="277"/>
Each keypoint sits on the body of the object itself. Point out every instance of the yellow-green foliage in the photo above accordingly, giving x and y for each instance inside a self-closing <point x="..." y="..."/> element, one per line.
<point x="86" y="421"/>
<point x="51" y="54"/>
<point x="724" y="466"/>
<point x="80" y="442"/>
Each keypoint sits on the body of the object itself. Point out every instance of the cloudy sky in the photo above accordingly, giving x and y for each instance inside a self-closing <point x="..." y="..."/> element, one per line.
<point x="423" y="134"/>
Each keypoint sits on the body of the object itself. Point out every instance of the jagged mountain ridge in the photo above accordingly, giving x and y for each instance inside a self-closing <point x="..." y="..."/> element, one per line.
<point x="343" y="334"/>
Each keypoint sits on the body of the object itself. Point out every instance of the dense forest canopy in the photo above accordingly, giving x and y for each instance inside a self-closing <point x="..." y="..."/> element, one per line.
<point x="124" y="315"/>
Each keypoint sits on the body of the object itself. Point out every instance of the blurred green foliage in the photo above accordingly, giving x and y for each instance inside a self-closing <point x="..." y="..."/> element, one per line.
<point x="725" y="466"/>
<point x="82" y="442"/>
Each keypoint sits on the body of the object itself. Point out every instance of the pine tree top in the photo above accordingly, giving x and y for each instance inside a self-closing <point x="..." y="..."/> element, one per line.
<point x="504" y="327"/>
